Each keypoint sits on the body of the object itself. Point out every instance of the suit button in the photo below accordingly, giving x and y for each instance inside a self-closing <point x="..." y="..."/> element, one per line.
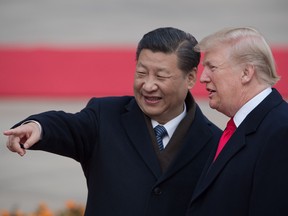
<point x="157" y="191"/>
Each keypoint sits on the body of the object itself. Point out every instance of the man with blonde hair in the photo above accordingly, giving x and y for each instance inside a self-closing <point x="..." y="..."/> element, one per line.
<point x="247" y="173"/>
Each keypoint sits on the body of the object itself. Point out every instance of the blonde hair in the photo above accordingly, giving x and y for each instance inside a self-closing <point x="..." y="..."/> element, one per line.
<point x="247" y="46"/>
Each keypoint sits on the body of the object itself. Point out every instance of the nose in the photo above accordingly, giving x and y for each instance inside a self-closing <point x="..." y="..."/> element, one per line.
<point x="204" y="78"/>
<point x="150" y="84"/>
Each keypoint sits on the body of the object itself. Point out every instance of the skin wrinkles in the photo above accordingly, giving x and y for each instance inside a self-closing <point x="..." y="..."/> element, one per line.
<point x="160" y="87"/>
<point x="221" y="77"/>
<point x="228" y="82"/>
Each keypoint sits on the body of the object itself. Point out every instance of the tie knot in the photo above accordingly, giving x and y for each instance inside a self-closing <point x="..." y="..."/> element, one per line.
<point x="160" y="131"/>
<point x="231" y="125"/>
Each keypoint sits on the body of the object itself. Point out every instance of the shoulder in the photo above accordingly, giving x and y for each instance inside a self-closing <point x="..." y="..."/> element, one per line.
<point x="201" y="119"/>
<point x="110" y="101"/>
<point x="277" y="118"/>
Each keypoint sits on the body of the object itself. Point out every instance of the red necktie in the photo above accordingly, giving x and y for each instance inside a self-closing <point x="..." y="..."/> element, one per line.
<point x="229" y="130"/>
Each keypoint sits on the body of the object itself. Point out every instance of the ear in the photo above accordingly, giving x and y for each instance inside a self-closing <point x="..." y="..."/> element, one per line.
<point x="192" y="77"/>
<point x="247" y="73"/>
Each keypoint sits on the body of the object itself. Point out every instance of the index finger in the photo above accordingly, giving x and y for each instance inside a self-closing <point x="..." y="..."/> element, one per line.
<point x="14" y="131"/>
<point x="14" y="145"/>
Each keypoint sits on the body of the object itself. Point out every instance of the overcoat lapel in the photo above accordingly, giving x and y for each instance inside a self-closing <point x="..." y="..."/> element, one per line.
<point x="192" y="144"/>
<point x="236" y="142"/>
<point x="134" y="124"/>
<point x="213" y="169"/>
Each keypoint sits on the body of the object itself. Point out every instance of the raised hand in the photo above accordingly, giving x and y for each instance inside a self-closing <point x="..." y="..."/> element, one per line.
<point x="23" y="137"/>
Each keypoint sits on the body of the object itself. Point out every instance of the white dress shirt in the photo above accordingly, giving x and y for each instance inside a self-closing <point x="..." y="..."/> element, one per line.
<point x="170" y="126"/>
<point x="250" y="105"/>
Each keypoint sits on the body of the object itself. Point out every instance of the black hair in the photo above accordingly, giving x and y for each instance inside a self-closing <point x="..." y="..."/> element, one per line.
<point x="171" y="40"/>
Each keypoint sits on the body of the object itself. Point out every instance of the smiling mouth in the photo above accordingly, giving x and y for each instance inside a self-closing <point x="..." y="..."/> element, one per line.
<point x="152" y="100"/>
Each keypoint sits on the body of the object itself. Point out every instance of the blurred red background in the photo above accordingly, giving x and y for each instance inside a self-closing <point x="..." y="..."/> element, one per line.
<point x="83" y="72"/>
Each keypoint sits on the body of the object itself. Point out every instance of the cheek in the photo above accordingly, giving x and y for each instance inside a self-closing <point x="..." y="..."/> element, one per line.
<point x="229" y="95"/>
<point x="137" y="84"/>
<point x="224" y="83"/>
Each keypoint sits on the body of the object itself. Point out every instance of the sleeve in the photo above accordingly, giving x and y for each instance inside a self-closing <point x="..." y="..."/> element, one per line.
<point x="67" y="134"/>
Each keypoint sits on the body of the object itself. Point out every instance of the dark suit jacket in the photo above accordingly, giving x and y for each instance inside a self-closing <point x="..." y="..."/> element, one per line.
<point x="111" y="140"/>
<point x="250" y="176"/>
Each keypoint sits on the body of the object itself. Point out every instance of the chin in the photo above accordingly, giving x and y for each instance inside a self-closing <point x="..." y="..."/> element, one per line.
<point x="212" y="105"/>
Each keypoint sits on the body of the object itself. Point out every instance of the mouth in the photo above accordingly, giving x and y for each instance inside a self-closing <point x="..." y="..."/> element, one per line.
<point x="210" y="92"/>
<point x="152" y="99"/>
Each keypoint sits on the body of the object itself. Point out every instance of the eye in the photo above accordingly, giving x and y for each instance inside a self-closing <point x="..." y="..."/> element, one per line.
<point x="140" y="73"/>
<point x="212" y="67"/>
<point x="163" y="75"/>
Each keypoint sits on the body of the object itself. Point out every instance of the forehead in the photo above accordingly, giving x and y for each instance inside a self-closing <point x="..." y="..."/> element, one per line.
<point x="216" y="55"/>
<point x="150" y="58"/>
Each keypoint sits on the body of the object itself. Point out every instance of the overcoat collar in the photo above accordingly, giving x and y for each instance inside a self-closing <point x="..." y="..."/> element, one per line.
<point x="192" y="143"/>
<point x="134" y="123"/>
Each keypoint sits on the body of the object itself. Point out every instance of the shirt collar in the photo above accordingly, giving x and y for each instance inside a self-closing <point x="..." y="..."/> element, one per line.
<point x="172" y="124"/>
<point x="250" y="105"/>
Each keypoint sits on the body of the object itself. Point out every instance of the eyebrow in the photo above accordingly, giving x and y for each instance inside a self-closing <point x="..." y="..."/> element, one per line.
<point x="159" y="69"/>
<point x="211" y="63"/>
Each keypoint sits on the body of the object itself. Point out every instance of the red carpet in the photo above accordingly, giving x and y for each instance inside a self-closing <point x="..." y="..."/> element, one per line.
<point x="56" y="72"/>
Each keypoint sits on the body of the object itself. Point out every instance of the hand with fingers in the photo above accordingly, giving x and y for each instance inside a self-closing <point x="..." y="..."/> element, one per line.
<point x="23" y="137"/>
